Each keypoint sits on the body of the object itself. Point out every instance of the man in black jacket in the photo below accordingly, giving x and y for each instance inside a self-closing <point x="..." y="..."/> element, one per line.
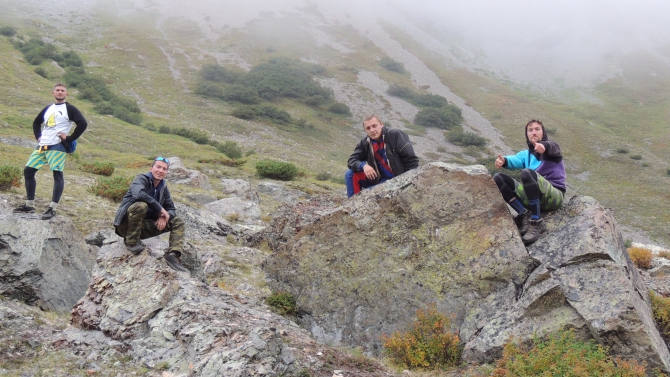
<point x="147" y="211"/>
<point x="382" y="155"/>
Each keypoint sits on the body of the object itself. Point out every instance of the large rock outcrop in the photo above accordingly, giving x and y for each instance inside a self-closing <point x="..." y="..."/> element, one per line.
<point x="438" y="234"/>
<point x="585" y="280"/>
<point x="443" y="234"/>
<point x="169" y="320"/>
<point x="44" y="263"/>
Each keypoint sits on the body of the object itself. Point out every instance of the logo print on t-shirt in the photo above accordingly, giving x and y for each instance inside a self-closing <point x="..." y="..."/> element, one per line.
<point x="51" y="122"/>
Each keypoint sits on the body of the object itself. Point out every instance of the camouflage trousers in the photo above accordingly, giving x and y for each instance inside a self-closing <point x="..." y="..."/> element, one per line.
<point x="551" y="198"/>
<point x="135" y="227"/>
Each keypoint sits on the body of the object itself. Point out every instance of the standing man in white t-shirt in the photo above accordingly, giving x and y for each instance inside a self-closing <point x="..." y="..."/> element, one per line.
<point x="51" y="128"/>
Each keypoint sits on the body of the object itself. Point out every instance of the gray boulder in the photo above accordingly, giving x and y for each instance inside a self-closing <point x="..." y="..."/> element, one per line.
<point x="585" y="280"/>
<point x="438" y="234"/>
<point x="169" y="318"/>
<point x="43" y="263"/>
<point x="282" y="194"/>
<point x="179" y="174"/>
<point x="241" y="188"/>
<point x="242" y="210"/>
<point x="442" y="234"/>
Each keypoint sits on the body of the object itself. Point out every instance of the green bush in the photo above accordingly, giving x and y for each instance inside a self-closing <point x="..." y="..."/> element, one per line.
<point x="230" y="149"/>
<point x="72" y="59"/>
<point x="282" y="302"/>
<point x="197" y="136"/>
<point x="7" y="31"/>
<point x="99" y="168"/>
<point x="284" y="171"/>
<point x="391" y="64"/>
<point x="323" y="176"/>
<point x="285" y="78"/>
<point x="210" y="89"/>
<point x="41" y="71"/>
<point x="445" y="118"/>
<point x="622" y="150"/>
<point x="242" y="94"/>
<point x="636" y="157"/>
<point x="561" y="354"/>
<point x="262" y="111"/>
<point x="401" y="91"/>
<point x="10" y="176"/>
<point x="111" y="188"/>
<point x="429" y="100"/>
<point x="427" y="344"/>
<point x="660" y="309"/>
<point x="217" y="73"/>
<point x="165" y="129"/>
<point x="339" y="108"/>
<point x="466" y="138"/>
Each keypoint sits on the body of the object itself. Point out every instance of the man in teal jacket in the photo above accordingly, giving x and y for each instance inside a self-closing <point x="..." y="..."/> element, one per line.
<point x="542" y="181"/>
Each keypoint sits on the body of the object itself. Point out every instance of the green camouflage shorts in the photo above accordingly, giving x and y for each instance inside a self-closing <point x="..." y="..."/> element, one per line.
<point x="551" y="198"/>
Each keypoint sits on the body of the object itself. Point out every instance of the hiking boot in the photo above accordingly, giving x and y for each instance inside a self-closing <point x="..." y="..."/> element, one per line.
<point x="173" y="261"/>
<point x="535" y="229"/>
<point x="24" y="209"/>
<point x="49" y="214"/>
<point x="523" y="222"/>
<point x="135" y="249"/>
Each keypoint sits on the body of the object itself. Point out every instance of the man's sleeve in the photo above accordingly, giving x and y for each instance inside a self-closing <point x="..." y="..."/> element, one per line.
<point x="168" y="204"/>
<point x="357" y="157"/>
<point x="406" y="152"/>
<point x="37" y="123"/>
<point x="137" y="191"/>
<point x="551" y="149"/>
<point x="517" y="161"/>
<point x="75" y="115"/>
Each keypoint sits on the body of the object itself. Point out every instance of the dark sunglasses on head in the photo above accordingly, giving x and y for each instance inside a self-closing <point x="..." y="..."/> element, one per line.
<point x="163" y="159"/>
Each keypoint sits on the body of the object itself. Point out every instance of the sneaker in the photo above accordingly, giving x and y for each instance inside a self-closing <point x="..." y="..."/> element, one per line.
<point x="523" y="222"/>
<point x="24" y="209"/>
<point x="135" y="249"/>
<point x="49" y="214"/>
<point x="535" y="229"/>
<point x="173" y="261"/>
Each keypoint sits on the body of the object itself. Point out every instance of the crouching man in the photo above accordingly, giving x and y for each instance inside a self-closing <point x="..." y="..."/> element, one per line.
<point x="147" y="211"/>
<point x="383" y="154"/>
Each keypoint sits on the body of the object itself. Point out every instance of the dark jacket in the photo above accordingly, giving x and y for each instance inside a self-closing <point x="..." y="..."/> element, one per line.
<point x="399" y="152"/>
<point x="142" y="190"/>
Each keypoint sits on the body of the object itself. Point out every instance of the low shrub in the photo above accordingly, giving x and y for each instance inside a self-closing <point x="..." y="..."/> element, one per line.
<point x="337" y="179"/>
<point x="41" y="71"/>
<point x="230" y="149"/>
<point x="664" y="254"/>
<point x="622" y="150"/>
<point x="640" y="257"/>
<point x="323" y="176"/>
<point x="223" y="161"/>
<point x="445" y="118"/>
<point x="99" y="168"/>
<point x="466" y="139"/>
<point x="391" y="64"/>
<point x="401" y="91"/>
<point x="7" y="31"/>
<point x="561" y="354"/>
<point x="636" y="157"/>
<point x="430" y="100"/>
<point x="164" y="129"/>
<point x="284" y="171"/>
<point x="268" y="112"/>
<point x="660" y="309"/>
<point x="428" y="344"/>
<point x="339" y="108"/>
<point x="10" y="176"/>
<point x="197" y="136"/>
<point x="282" y="302"/>
<point x="111" y="188"/>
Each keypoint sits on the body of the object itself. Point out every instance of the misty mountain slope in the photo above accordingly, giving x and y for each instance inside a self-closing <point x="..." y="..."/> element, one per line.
<point x="152" y="52"/>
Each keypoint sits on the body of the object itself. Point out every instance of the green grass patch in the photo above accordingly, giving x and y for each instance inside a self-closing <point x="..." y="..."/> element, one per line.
<point x="283" y="303"/>
<point x="10" y="176"/>
<point x="113" y="188"/>
<point x="561" y="354"/>
<point x="99" y="168"/>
